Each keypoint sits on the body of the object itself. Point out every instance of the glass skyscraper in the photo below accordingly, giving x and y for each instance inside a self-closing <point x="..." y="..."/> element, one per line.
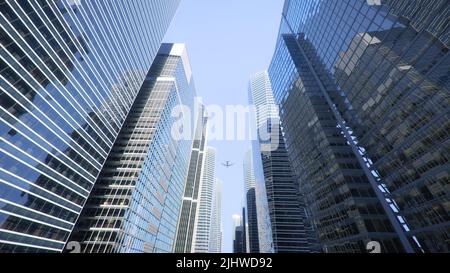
<point x="202" y="229"/>
<point x="215" y="241"/>
<point x="239" y="238"/>
<point x="250" y="203"/>
<point x="262" y="206"/>
<point x="191" y="197"/>
<point x="363" y="89"/>
<point x="135" y="204"/>
<point x="286" y="207"/>
<point x="69" y="73"/>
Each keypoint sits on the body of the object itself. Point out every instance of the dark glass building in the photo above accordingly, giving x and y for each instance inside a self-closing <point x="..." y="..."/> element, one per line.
<point x="363" y="89"/>
<point x="135" y="204"/>
<point x="404" y="132"/>
<point x="239" y="233"/>
<point x="238" y="243"/>
<point x="286" y="207"/>
<point x="69" y="73"/>
<point x="250" y="203"/>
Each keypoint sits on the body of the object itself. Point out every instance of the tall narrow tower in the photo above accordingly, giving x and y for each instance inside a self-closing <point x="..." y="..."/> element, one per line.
<point x="250" y="203"/>
<point x="136" y="201"/>
<point x="203" y="224"/>
<point x="191" y="198"/>
<point x="215" y="243"/>
<point x="286" y="207"/>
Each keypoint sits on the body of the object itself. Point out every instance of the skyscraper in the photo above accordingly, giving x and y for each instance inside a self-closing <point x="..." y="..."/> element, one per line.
<point x="215" y="242"/>
<point x="191" y="197"/>
<point x="262" y="206"/>
<point x="402" y="123"/>
<point x="135" y="204"/>
<point x="70" y="71"/>
<point x="244" y="238"/>
<point x="238" y="234"/>
<point x="204" y="211"/>
<point x="363" y="93"/>
<point x="286" y="207"/>
<point x="250" y="203"/>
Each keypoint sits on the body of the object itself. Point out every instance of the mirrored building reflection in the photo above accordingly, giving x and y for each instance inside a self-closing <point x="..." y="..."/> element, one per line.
<point x="364" y="102"/>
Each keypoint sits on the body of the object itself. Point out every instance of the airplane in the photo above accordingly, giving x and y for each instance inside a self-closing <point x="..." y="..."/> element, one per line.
<point x="228" y="164"/>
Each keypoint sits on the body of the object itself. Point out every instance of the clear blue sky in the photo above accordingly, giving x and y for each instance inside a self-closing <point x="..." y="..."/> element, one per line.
<point x="227" y="41"/>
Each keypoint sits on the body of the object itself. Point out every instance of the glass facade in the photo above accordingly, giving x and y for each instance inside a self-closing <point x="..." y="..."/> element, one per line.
<point x="239" y="238"/>
<point x="286" y="207"/>
<point x="191" y="197"/>
<point x="240" y="233"/>
<point x="70" y="71"/>
<point x="262" y="205"/>
<point x="202" y="229"/>
<point x="250" y="203"/>
<point x="215" y="242"/>
<point x="135" y="204"/>
<point x="363" y="88"/>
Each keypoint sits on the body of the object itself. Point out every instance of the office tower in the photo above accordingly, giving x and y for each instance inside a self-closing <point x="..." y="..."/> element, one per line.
<point x="286" y="208"/>
<point x="70" y="71"/>
<point x="250" y="203"/>
<point x="191" y="197"/>
<point x="262" y="206"/>
<point x="238" y="242"/>
<point x="238" y="234"/>
<point x="136" y="201"/>
<point x="363" y="93"/>
<point x="203" y="222"/>
<point x="403" y="122"/>
<point x="237" y="221"/>
<point x="215" y="243"/>
<point x="244" y="231"/>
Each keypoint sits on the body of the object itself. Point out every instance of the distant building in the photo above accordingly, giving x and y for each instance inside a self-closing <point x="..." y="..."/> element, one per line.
<point x="239" y="237"/>
<point x="202" y="230"/>
<point x="215" y="243"/>
<point x="244" y="239"/>
<point x="250" y="204"/>
<point x="291" y="231"/>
